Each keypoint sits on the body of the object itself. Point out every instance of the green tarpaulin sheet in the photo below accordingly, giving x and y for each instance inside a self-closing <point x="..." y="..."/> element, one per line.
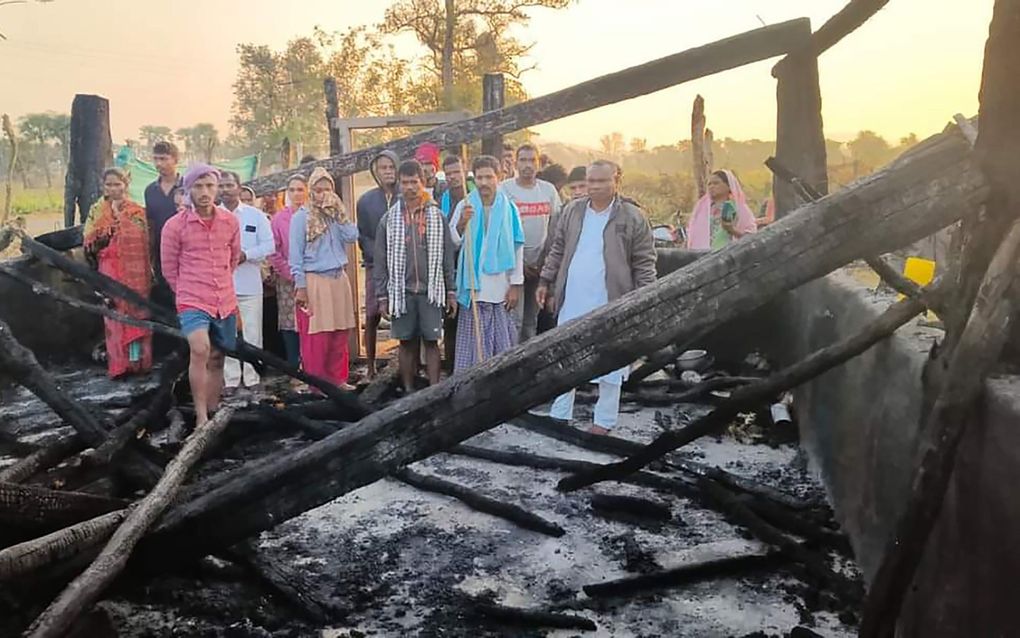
<point x="143" y="173"/>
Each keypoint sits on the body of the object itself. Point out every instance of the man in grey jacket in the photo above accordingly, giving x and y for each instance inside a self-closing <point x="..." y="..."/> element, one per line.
<point x="602" y="249"/>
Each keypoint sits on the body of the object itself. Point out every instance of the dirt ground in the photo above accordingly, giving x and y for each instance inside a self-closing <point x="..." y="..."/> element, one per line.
<point x="395" y="561"/>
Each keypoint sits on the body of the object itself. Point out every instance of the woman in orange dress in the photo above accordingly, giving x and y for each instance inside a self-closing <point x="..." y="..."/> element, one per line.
<point x="117" y="244"/>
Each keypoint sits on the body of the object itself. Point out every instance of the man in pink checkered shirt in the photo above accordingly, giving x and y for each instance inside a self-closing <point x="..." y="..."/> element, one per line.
<point x="199" y="249"/>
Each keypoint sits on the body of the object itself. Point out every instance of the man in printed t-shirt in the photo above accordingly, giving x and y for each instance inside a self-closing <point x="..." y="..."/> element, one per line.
<point x="537" y="201"/>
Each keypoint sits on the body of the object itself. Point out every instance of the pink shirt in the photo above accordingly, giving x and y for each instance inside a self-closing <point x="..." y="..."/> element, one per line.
<point x="199" y="258"/>
<point x="280" y="260"/>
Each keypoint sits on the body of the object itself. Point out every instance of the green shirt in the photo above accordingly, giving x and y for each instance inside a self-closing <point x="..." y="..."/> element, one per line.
<point x="719" y="237"/>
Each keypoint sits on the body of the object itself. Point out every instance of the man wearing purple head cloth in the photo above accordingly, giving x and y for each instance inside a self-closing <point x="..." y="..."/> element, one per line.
<point x="199" y="249"/>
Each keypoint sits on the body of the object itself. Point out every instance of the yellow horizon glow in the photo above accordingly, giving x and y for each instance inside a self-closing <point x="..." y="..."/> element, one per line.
<point x="908" y="70"/>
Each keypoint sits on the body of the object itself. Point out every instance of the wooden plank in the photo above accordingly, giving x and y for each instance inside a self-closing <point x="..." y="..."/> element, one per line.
<point x="389" y="121"/>
<point x="692" y="64"/>
<point x="926" y="189"/>
<point x="845" y="22"/>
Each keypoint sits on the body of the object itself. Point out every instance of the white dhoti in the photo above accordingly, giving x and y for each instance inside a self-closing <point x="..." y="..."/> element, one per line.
<point x="234" y="374"/>
<point x="584" y="291"/>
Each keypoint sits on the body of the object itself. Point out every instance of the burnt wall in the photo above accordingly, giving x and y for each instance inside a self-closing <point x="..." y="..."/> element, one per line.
<point x="859" y="424"/>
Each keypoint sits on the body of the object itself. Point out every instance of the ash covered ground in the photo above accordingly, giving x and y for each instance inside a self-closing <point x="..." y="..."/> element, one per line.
<point x="392" y="560"/>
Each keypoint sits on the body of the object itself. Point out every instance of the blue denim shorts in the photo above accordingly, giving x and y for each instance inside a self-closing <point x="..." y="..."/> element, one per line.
<point x="222" y="332"/>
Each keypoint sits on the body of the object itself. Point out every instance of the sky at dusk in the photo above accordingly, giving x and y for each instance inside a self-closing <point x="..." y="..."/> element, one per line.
<point x="172" y="63"/>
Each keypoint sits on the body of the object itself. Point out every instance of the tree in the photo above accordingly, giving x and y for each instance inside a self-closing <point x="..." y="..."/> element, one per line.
<point x="40" y="129"/>
<point x="870" y="149"/>
<point x="612" y="144"/>
<point x="279" y="95"/>
<point x="199" y="140"/>
<point x="638" y="145"/>
<point x="466" y="39"/>
<point x="150" y="134"/>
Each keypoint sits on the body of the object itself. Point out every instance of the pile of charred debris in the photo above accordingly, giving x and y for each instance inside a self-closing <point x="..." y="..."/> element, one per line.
<point x="477" y="540"/>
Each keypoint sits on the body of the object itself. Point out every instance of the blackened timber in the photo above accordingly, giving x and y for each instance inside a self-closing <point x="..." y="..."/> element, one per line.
<point x="800" y="140"/>
<point x="478" y="501"/>
<point x="84" y="590"/>
<point x="20" y="363"/>
<point x="42" y="459"/>
<point x="532" y="617"/>
<point x="38" y="509"/>
<point x="90" y="151"/>
<point x="663" y="73"/>
<point x="844" y="22"/>
<point x="24" y="558"/>
<point x="748" y="396"/>
<point x="683" y="575"/>
<point x="924" y="190"/>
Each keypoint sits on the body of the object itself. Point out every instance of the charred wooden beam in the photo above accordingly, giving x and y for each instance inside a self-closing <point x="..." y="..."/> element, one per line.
<point x="921" y="192"/>
<point x="25" y="558"/>
<point x="285" y="581"/>
<point x="478" y="501"/>
<point x="844" y="22"/>
<point x="100" y="282"/>
<point x="42" y="459"/>
<point x="37" y="509"/>
<point x="752" y="394"/>
<point x="692" y="64"/>
<point x="700" y="168"/>
<point x="84" y="590"/>
<point x="531" y="617"/>
<point x="631" y="506"/>
<point x="685" y="574"/>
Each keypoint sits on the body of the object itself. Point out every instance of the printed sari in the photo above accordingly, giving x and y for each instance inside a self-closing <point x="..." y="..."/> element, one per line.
<point x="117" y="244"/>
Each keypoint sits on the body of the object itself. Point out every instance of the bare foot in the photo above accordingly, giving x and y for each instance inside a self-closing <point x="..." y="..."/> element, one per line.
<point x="598" y="429"/>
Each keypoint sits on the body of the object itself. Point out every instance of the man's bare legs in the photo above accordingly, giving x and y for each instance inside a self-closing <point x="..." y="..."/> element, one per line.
<point x="205" y="374"/>
<point x="198" y="374"/>
<point x="215" y="379"/>
<point x="371" y="335"/>
<point x="433" y="361"/>
<point x="408" y="362"/>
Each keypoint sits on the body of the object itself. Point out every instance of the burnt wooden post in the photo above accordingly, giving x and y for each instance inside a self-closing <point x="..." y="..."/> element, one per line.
<point x="800" y="141"/>
<point x="332" y="113"/>
<point x="493" y="99"/>
<point x="90" y="152"/>
<point x="698" y="147"/>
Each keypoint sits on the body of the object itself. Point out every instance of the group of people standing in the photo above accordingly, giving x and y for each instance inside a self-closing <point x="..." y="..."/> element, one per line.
<point x="482" y="260"/>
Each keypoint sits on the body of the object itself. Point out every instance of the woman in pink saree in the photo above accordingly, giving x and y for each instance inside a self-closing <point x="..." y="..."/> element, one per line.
<point x="721" y="216"/>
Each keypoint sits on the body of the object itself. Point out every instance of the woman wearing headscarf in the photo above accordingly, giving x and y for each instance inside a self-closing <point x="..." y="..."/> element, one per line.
<point x="320" y="233"/>
<point x="721" y="215"/>
<point x="295" y="198"/>
<point x="116" y="241"/>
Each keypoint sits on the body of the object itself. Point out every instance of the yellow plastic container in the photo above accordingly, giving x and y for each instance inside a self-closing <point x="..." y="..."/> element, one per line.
<point x="921" y="272"/>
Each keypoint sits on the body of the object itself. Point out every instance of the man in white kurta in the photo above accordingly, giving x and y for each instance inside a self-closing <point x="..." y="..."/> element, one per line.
<point x="603" y="248"/>
<point x="256" y="245"/>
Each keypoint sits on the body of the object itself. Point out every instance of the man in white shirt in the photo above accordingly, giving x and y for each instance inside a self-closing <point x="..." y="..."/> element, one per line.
<point x="537" y="202"/>
<point x="490" y="267"/>
<point x="602" y="250"/>
<point x="256" y="244"/>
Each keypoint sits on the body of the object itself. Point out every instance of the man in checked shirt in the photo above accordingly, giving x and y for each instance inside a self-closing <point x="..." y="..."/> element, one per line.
<point x="199" y="249"/>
